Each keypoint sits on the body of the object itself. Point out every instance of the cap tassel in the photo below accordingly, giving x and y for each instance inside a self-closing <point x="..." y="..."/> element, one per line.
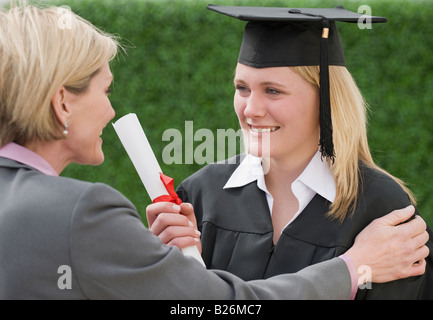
<point x="326" y="142"/>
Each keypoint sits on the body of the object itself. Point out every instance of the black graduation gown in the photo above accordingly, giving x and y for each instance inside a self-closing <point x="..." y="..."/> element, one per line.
<point x="237" y="229"/>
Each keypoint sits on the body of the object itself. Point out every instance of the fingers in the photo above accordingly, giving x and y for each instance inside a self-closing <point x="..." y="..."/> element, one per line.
<point x="418" y="268"/>
<point x="421" y="253"/>
<point x="413" y="263"/>
<point x="175" y="230"/>
<point x="420" y="240"/>
<point x="167" y="220"/>
<point x="180" y="237"/>
<point x="154" y="209"/>
<point x="184" y="242"/>
<point x="187" y="209"/>
<point x="412" y="228"/>
<point x="174" y="225"/>
<point x="396" y="217"/>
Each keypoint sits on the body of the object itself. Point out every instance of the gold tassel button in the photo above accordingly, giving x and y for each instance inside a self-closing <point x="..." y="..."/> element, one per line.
<point x="325" y="33"/>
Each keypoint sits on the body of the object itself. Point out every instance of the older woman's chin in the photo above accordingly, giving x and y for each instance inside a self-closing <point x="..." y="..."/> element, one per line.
<point x="97" y="159"/>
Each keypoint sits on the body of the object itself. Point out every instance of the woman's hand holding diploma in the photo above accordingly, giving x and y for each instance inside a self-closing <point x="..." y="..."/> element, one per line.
<point x="175" y="225"/>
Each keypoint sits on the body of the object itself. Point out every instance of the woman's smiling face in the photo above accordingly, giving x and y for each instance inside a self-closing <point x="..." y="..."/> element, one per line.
<point x="279" y="104"/>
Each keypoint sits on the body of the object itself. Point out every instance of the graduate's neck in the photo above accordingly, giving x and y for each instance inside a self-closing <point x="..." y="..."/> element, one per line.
<point x="284" y="170"/>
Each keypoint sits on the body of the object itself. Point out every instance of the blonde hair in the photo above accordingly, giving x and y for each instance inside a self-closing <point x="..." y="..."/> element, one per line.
<point x="42" y="50"/>
<point x="349" y="120"/>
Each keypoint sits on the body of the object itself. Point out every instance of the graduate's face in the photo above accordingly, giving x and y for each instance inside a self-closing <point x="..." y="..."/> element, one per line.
<point x="90" y="112"/>
<point x="276" y="104"/>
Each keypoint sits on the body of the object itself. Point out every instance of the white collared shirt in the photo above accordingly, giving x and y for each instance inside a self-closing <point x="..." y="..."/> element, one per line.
<point x="315" y="179"/>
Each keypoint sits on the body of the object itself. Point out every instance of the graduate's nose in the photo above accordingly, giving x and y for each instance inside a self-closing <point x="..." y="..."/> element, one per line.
<point x="256" y="106"/>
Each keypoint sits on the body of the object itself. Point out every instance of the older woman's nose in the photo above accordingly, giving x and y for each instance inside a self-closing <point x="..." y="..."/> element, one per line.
<point x="112" y="113"/>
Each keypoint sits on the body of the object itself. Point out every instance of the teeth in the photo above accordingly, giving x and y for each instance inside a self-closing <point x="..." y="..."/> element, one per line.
<point x="264" y="130"/>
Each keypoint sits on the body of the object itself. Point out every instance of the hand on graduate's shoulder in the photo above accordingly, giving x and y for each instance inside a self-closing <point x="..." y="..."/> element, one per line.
<point x="393" y="247"/>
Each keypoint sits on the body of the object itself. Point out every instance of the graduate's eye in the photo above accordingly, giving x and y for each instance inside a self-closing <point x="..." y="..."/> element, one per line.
<point x="272" y="91"/>
<point x="241" y="89"/>
<point x="109" y="91"/>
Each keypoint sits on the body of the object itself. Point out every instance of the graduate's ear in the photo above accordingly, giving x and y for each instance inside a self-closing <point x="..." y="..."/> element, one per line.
<point x="61" y="106"/>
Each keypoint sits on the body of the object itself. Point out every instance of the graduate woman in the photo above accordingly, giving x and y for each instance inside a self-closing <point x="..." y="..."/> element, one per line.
<point x="62" y="238"/>
<point x="308" y="184"/>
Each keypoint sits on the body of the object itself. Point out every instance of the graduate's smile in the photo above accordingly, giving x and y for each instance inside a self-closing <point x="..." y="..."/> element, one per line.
<point x="263" y="129"/>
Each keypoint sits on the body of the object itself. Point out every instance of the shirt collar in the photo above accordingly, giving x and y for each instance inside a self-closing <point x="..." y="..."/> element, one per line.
<point x="316" y="176"/>
<point x="25" y="156"/>
<point x="249" y="170"/>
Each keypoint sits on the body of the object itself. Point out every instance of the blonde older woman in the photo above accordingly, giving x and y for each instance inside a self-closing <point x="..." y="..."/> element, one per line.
<point x="67" y="239"/>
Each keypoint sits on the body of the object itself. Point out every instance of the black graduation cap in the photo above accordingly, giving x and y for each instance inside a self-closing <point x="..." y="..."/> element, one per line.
<point x="277" y="37"/>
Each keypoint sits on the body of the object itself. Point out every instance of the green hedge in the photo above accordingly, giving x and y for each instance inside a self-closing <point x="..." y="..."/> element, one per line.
<point x="179" y="67"/>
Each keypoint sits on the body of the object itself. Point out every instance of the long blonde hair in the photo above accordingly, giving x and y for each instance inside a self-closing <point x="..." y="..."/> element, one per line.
<point x="42" y="50"/>
<point x="349" y="120"/>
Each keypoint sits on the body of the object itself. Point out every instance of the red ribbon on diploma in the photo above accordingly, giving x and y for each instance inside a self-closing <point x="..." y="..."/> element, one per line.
<point x="169" y="185"/>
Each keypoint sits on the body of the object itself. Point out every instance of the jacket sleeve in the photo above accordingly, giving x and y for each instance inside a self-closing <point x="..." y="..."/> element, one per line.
<point x="115" y="257"/>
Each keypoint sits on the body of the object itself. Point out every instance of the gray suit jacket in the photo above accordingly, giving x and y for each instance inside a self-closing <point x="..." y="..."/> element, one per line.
<point x="62" y="238"/>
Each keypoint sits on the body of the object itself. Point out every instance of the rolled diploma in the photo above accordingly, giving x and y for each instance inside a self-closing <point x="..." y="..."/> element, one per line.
<point x="137" y="147"/>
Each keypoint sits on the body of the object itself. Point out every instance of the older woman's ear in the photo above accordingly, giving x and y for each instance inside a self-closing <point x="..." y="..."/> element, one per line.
<point x="60" y="102"/>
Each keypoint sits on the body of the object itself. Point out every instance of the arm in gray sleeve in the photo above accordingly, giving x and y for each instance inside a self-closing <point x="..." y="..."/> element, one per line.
<point x="114" y="256"/>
